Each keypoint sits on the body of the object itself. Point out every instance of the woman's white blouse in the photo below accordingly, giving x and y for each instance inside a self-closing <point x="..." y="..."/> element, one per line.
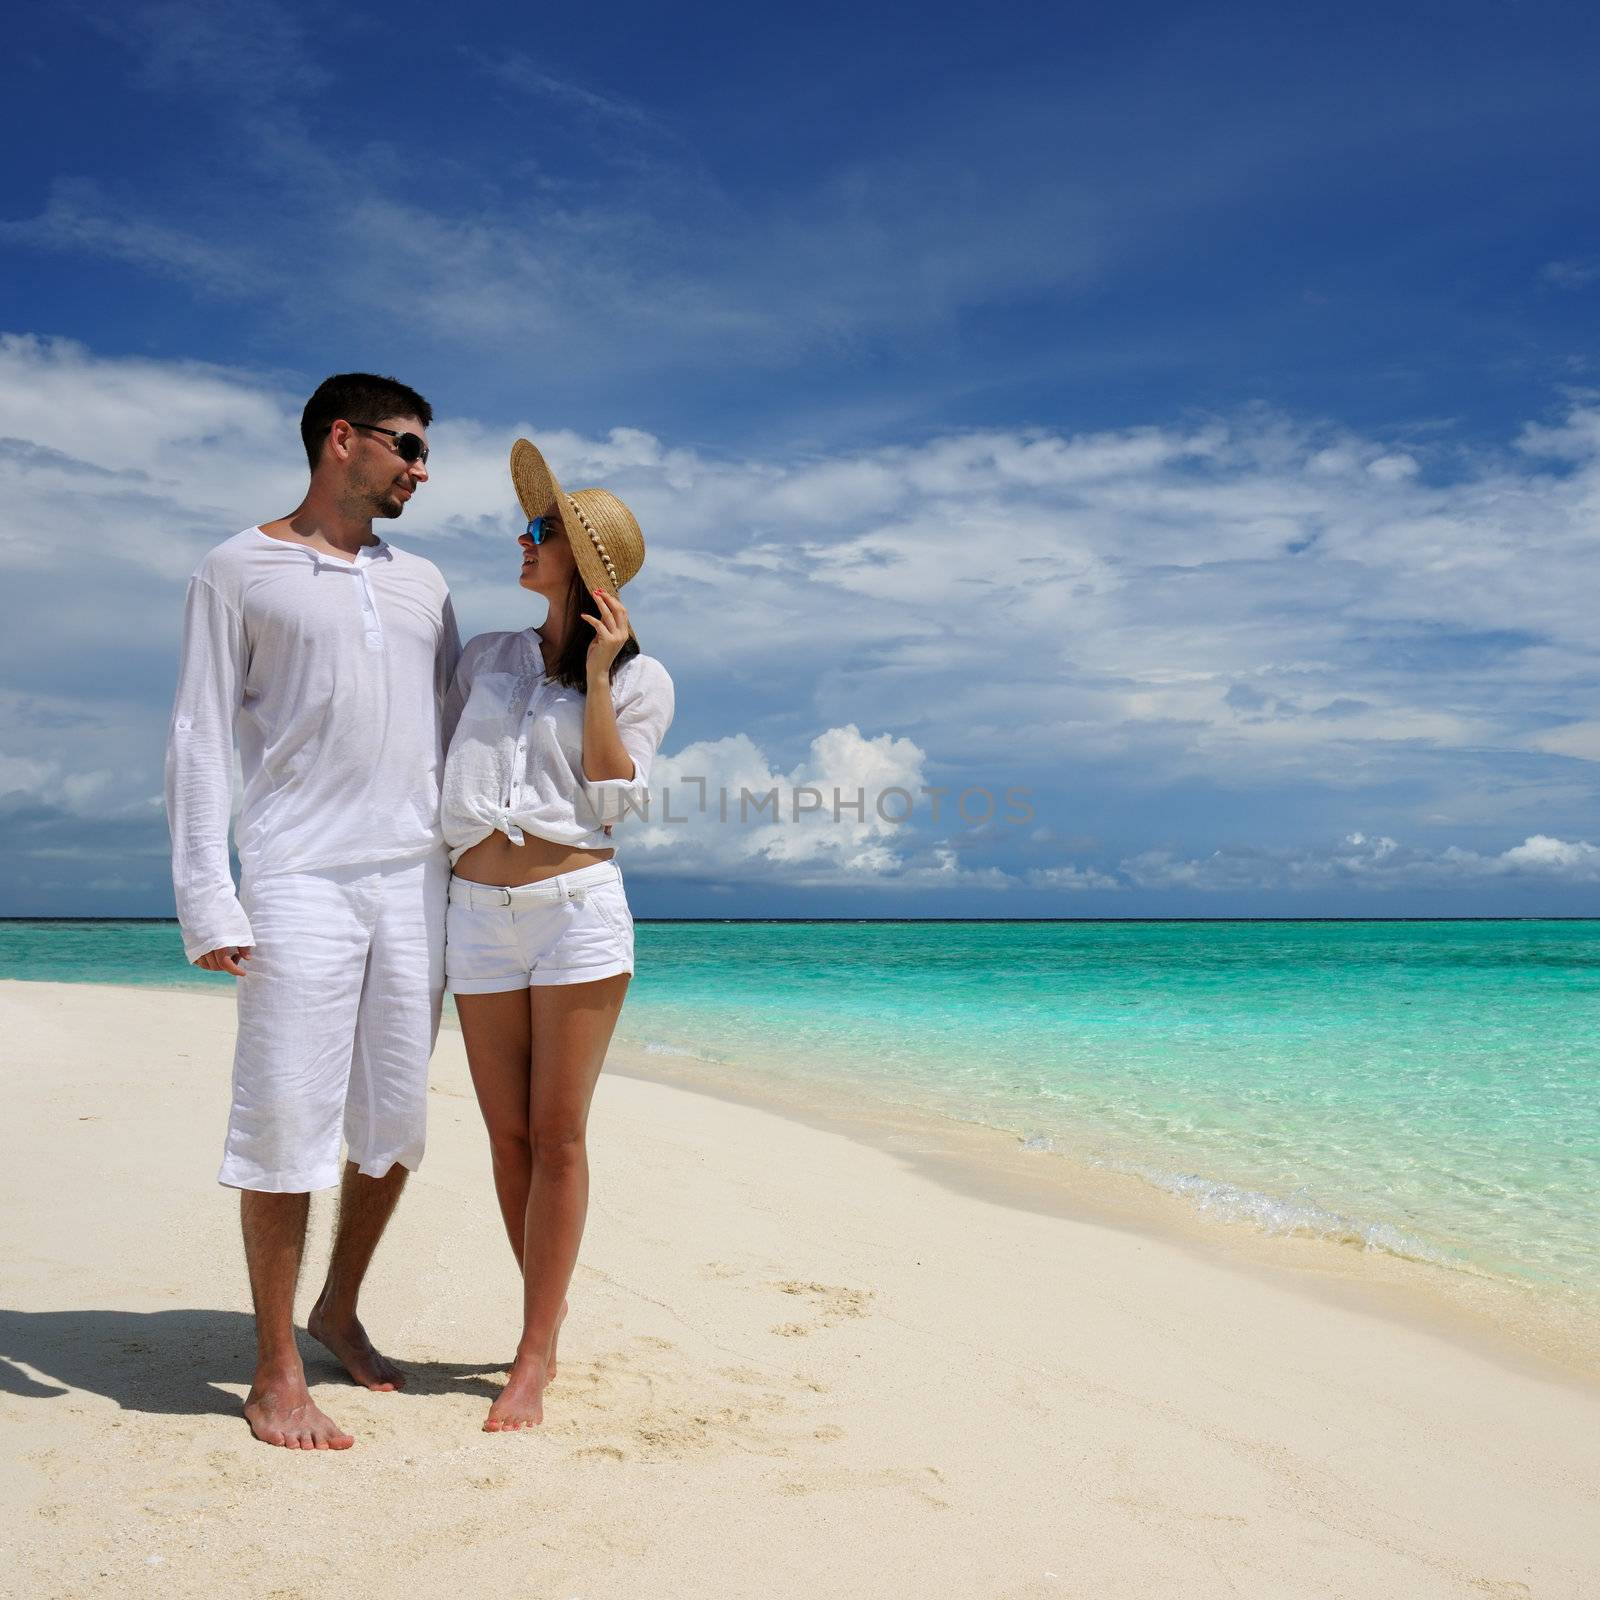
<point x="515" y="760"/>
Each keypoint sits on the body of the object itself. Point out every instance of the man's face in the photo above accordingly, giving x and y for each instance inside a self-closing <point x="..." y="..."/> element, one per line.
<point x="380" y="480"/>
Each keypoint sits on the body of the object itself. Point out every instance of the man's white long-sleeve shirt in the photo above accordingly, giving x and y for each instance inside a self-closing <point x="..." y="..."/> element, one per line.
<point x="332" y="676"/>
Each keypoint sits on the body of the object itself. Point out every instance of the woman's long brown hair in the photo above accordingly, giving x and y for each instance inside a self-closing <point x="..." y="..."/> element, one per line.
<point x="572" y="667"/>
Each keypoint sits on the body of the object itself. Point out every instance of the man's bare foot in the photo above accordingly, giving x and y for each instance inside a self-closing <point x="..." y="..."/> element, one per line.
<point x="280" y="1411"/>
<point x="550" y="1368"/>
<point x="521" y="1402"/>
<point x="349" y="1342"/>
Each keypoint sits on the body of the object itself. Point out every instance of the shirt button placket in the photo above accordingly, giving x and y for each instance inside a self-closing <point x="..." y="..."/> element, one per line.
<point x="372" y="628"/>
<point x="518" y="764"/>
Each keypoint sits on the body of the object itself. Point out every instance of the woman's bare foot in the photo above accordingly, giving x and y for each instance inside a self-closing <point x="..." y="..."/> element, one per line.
<point x="521" y="1402"/>
<point x="550" y="1368"/>
<point x="280" y="1411"/>
<point x="355" y="1352"/>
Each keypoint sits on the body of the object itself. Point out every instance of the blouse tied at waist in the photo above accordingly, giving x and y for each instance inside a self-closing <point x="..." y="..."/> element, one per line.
<point x="515" y="756"/>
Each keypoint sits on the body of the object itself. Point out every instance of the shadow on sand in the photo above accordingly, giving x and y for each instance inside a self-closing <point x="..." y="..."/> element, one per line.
<point x="174" y="1362"/>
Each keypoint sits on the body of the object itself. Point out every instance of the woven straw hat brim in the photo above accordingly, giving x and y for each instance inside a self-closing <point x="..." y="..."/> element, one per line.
<point x="603" y="534"/>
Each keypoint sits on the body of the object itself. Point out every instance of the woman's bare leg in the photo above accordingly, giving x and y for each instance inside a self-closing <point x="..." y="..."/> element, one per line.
<point x="571" y="1028"/>
<point x="497" y="1030"/>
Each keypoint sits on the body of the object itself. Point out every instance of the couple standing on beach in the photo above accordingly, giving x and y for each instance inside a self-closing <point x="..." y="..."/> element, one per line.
<point x="414" y="814"/>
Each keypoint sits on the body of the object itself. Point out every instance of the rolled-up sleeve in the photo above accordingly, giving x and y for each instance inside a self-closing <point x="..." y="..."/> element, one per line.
<point x="199" y="775"/>
<point x="644" y="707"/>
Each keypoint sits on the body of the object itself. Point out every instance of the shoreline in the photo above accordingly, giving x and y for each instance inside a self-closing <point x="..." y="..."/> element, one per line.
<point x="1518" y="1325"/>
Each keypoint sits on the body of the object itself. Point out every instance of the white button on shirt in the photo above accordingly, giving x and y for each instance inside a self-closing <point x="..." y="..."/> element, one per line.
<point x="332" y="676"/>
<point x="515" y="761"/>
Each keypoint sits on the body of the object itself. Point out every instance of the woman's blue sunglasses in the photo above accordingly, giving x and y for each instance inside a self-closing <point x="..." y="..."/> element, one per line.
<point x="537" y="531"/>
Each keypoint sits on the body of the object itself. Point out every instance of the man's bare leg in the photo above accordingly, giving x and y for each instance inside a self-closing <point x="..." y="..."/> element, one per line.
<point x="279" y="1408"/>
<point x="365" y="1206"/>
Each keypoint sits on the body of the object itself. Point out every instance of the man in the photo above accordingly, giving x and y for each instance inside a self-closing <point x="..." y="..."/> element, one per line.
<point x="328" y="652"/>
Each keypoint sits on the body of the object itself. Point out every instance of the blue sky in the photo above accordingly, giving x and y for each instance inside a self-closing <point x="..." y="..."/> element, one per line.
<point x="1189" y="415"/>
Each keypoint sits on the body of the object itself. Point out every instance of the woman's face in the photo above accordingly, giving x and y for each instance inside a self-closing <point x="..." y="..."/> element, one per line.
<point x="547" y="567"/>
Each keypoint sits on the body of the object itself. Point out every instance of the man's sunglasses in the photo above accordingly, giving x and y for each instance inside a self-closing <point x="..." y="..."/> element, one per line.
<point x="407" y="446"/>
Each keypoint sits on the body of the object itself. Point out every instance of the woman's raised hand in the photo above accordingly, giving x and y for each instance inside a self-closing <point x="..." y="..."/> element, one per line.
<point x="610" y="634"/>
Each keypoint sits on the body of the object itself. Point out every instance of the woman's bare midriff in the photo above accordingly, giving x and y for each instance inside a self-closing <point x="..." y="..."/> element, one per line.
<point x="497" y="861"/>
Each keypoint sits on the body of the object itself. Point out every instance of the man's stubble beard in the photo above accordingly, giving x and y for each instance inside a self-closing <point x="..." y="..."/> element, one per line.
<point x="372" y="501"/>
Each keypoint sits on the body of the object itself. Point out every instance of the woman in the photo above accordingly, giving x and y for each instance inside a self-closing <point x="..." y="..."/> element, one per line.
<point x="551" y="735"/>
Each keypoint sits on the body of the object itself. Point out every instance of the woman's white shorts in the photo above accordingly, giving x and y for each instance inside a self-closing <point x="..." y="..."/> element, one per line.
<point x="573" y="928"/>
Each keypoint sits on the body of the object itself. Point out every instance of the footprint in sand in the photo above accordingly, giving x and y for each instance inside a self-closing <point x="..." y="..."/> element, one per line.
<point x="605" y="1452"/>
<point x="655" y="1405"/>
<point x="848" y="1480"/>
<point x="834" y="1304"/>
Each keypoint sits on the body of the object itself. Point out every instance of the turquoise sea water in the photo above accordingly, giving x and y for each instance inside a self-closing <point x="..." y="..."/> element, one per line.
<point x="1429" y="1088"/>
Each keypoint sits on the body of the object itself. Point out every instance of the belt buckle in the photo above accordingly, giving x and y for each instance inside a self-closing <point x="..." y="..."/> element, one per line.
<point x="507" y="893"/>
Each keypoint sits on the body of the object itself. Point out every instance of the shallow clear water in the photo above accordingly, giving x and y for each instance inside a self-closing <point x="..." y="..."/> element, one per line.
<point x="1426" y="1087"/>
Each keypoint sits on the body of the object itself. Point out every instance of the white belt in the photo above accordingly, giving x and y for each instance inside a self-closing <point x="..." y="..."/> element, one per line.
<point x="564" y="886"/>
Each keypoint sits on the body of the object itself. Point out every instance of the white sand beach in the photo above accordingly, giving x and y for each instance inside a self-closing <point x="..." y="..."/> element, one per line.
<point x="797" y="1363"/>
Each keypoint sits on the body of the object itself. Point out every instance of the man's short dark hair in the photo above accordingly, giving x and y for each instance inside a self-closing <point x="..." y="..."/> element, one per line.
<point x="357" y="397"/>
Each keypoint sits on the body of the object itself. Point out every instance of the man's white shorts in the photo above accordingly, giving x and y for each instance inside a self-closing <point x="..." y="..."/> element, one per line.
<point x="338" y="1013"/>
<point x="573" y="928"/>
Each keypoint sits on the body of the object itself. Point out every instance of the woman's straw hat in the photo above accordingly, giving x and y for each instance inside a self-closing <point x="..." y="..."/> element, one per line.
<point x="605" y="538"/>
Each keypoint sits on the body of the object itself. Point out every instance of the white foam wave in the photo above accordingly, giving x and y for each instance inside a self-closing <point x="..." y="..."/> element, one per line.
<point x="655" y="1047"/>
<point x="1296" y="1212"/>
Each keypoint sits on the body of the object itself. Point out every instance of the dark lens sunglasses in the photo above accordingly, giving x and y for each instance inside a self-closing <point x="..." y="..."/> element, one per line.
<point x="407" y="446"/>
<point x="540" y="529"/>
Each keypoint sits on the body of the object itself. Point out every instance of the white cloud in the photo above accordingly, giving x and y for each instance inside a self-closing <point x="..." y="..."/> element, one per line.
<point x="1076" y="880"/>
<point x="249" y="52"/>
<point x="1572" y="273"/>
<point x="603" y="111"/>
<point x="1249" y="605"/>
<point x="1578" y="739"/>
<point x="854" y="813"/>
<point x="51" y="809"/>
<point x="1577" y="861"/>
<point x="1363" y="861"/>
<point x="133" y="463"/>
<point x="79" y="219"/>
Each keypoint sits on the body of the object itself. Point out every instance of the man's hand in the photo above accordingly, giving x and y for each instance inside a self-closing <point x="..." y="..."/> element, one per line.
<point x="227" y="959"/>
